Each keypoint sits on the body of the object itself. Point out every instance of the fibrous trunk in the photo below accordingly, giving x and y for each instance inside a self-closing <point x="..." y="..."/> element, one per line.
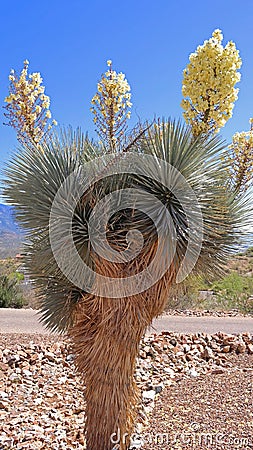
<point x="106" y="338"/>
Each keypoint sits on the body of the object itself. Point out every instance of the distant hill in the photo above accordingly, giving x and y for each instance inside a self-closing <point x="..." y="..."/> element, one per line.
<point x="11" y="236"/>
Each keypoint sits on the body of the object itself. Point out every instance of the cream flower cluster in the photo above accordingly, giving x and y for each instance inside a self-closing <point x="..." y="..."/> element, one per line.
<point x="28" y="106"/>
<point x="208" y="85"/>
<point x="111" y="105"/>
<point x="240" y="158"/>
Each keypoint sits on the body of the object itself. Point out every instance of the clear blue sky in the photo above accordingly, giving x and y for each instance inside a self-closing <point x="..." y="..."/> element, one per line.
<point x="150" y="41"/>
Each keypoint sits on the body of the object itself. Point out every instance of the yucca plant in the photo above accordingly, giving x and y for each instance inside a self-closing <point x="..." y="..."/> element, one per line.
<point x="106" y="332"/>
<point x="165" y="198"/>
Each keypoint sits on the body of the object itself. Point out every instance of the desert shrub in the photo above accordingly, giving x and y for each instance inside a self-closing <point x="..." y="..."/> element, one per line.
<point x="249" y="252"/>
<point x="235" y="291"/>
<point x="10" y="294"/>
<point x="11" y="279"/>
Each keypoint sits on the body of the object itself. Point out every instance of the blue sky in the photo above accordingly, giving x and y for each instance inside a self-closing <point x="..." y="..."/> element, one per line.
<point x="70" y="41"/>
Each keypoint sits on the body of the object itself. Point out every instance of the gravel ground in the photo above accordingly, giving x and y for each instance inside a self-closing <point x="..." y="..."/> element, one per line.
<point x="214" y="411"/>
<point x="197" y="389"/>
<point x="207" y="312"/>
<point x="41" y="397"/>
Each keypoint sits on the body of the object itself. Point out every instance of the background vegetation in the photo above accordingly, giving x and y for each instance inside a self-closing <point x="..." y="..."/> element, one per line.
<point x="232" y="291"/>
<point x="12" y="287"/>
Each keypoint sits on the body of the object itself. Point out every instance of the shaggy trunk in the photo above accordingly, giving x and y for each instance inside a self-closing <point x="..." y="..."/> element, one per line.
<point x="106" y="340"/>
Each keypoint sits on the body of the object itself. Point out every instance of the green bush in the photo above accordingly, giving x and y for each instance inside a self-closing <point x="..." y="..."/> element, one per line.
<point x="14" y="291"/>
<point x="235" y="290"/>
<point x="10" y="293"/>
<point x="249" y="252"/>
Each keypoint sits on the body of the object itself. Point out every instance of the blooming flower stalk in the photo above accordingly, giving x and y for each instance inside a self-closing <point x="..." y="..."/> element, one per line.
<point x="208" y="85"/>
<point x="240" y="158"/>
<point x="27" y="108"/>
<point x="111" y="106"/>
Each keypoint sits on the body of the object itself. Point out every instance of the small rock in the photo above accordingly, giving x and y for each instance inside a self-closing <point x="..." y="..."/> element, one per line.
<point x="3" y="395"/>
<point x="62" y="380"/>
<point x="192" y="372"/>
<point x="228" y="339"/>
<point x="4" y="367"/>
<point x="200" y="348"/>
<point x="207" y="353"/>
<point x="34" y="358"/>
<point x="149" y="395"/>
<point x="246" y="337"/>
<point x="4" y="404"/>
<point x="146" y="349"/>
<point x="14" y="377"/>
<point x="50" y="356"/>
<point x="158" y="388"/>
<point x="250" y="349"/>
<point x="142" y="354"/>
<point x="226" y="349"/>
<point x="186" y="347"/>
<point x="169" y="371"/>
<point x="26" y="373"/>
<point x="241" y="347"/>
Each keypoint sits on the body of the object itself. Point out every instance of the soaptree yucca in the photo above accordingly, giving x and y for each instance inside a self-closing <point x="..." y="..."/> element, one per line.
<point x="106" y="323"/>
<point x="27" y="109"/>
<point x="209" y="93"/>
<point x="240" y="159"/>
<point x="208" y="85"/>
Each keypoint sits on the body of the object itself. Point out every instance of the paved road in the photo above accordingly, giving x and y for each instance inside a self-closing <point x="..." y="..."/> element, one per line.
<point x="20" y="321"/>
<point x="205" y="324"/>
<point x="26" y="321"/>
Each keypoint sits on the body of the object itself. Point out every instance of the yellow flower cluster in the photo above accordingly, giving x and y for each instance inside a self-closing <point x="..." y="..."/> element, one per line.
<point x="110" y="106"/>
<point x="240" y="158"/>
<point x="208" y="85"/>
<point x="27" y="106"/>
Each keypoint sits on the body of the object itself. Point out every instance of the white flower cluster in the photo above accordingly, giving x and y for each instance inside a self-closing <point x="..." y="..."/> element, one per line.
<point x="27" y="106"/>
<point x="240" y="158"/>
<point x="208" y="85"/>
<point x="110" y="106"/>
